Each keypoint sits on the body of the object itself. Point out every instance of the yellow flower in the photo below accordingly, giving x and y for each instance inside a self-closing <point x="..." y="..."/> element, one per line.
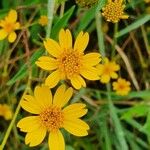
<point x="50" y="116"/>
<point x="108" y="70"/>
<point x="43" y="21"/>
<point x="122" y="87"/>
<point x="147" y="1"/>
<point x="9" y="25"/>
<point x="67" y="62"/>
<point x="86" y="3"/>
<point x="5" y="111"/>
<point x="114" y="11"/>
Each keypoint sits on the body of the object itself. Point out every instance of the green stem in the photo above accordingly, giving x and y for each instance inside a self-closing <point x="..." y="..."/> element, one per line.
<point x="116" y="121"/>
<point x="114" y="40"/>
<point x="11" y="123"/>
<point x="50" y="10"/>
<point x="98" y="18"/>
<point x="62" y="8"/>
<point x="145" y="40"/>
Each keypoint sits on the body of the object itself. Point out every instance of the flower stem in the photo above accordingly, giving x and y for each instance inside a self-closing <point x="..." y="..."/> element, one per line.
<point x="98" y="18"/>
<point x="11" y="123"/>
<point x="114" y="40"/>
<point x="116" y="121"/>
<point x="50" y="10"/>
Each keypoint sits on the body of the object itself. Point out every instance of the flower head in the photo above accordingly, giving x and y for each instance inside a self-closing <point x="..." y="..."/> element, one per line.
<point x="50" y="116"/>
<point x="5" y="111"/>
<point x="122" y="86"/>
<point x="108" y="70"/>
<point x="43" y="21"/>
<point x="114" y="11"/>
<point x="67" y="62"/>
<point x="9" y="25"/>
<point x="86" y="3"/>
<point x="147" y="1"/>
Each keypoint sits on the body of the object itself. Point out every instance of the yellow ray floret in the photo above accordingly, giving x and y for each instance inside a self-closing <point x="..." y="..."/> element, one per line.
<point x="68" y="61"/>
<point x="43" y="21"/>
<point x="50" y="115"/>
<point x="121" y="86"/>
<point x="108" y="70"/>
<point x="8" y="26"/>
<point x="114" y="11"/>
<point x="5" y="111"/>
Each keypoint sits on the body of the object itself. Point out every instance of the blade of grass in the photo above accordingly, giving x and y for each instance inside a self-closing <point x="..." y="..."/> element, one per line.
<point x="139" y="22"/>
<point x="117" y="124"/>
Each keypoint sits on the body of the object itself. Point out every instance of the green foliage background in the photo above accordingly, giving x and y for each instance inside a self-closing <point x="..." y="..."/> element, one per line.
<point x="117" y="123"/>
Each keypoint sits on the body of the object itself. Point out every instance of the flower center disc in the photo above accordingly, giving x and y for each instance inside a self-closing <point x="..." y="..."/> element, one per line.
<point x="9" y="27"/>
<point x="52" y="118"/>
<point x="113" y="11"/>
<point x="70" y="63"/>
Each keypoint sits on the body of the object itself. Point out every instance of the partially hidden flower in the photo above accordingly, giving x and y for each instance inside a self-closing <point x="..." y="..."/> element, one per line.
<point x="114" y="11"/>
<point x="43" y="21"/>
<point x="5" y="111"/>
<point x="50" y="115"/>
<point x="147" y="1"/>
<point x="86" y="3"/>
<point x="121" y="86"/>
<point x="67" y="62"/>
<point x="107" y="70"/>
<point x="8" y="26"/>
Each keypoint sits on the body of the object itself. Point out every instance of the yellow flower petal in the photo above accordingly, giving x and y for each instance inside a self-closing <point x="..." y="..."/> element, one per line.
<point x="65" y="39"/>
<point x="78" y="82"/>
<point x="17" y="25"/>
<point x="53" y="79"/>
<point x="12" y="37"/>
<point x="59" y="94"/>
<point x="43" y="96"/>
<point x="56" y="141"/>
<point x="62" y="96"/>
<point x="90" y="73"/>
<point x="124" y="17"/>
<point x="29" y="104"/>
<point x="36" y="137"/>
<point x="81" y="42"/>
<point x="114" y="75"/>
<point x="3" y="34"/>
<point x="29" y="124"/>
<point x="12" y="16"/>
<point x="91" y="59"/>
<point x="52" y="47"/>
<point x="2" y="23"/>
<point x="105" y="78"/>
<point x="47" y="63"/>
<point x="74" y="111"/>
<point x="76" y="127"/>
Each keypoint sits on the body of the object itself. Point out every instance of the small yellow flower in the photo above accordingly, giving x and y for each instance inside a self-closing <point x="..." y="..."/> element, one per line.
<point x="43" y="21"/>
<point x="108" y="70"/>
<point x="86" y="3"/>
<point x="114" y="11"/>
<point x="122" y="87"/>
<point x="147" y="1"/>
<point x="9" y="25"/>
<point x="67" y="62"/>
<point x="50" y="116"/>
<point x="5" y="111"/>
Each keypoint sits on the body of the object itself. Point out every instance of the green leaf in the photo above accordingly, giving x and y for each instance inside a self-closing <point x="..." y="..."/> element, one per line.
<point x="86" y="19"/>
<point x="146" y="127"/>
<point x="136" y="111"/>
<point x="142" y="20"/>
<point x="139" y="94"/>
<point x="23" y="70"/>
<point x="62" y="22"/>
<point x="68" y="147"/>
